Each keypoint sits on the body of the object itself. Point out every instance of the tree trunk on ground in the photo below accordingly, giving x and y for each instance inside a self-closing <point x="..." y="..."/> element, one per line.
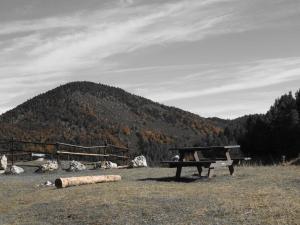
<point x="74" y="181"/>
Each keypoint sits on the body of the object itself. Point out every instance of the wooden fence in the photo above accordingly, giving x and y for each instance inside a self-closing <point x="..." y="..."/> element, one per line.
<point x="20" y="150"/>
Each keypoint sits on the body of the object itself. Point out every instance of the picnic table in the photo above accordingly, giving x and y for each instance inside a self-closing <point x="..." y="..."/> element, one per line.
<point x="208" y="157"/>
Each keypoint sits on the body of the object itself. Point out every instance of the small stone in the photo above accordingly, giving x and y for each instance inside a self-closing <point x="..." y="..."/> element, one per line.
<point x="48" y="183"/>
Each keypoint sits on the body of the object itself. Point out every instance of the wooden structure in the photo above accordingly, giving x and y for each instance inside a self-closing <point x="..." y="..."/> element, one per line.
<point x="208" y="157"/>
<point x="17" y="150"/>
<point x="75" y="181"/>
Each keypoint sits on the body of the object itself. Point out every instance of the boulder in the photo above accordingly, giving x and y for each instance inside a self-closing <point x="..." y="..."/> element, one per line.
<point x="175" y="158"/>
<point x="3" y="162"/>
<point x="16" y="170"/>
<point x="48" y="167"/>
<point x="109" y="165"/>
<point x="76" y="166"/>
<point x="139" y="161"/>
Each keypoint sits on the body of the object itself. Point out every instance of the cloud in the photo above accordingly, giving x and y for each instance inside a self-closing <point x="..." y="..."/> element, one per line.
<point x="126" y="2"/>
<point x="235" y="77"/>
<point x="43" y="24"/>
<point x="64" y="45"/>
<point x="228" y="111"/>
<point x="40" y="53"/>
<point x="84" y="39"/>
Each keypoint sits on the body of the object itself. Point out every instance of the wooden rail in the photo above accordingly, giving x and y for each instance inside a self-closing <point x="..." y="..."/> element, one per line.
<point x="90" y="154"/>
<point x="79" y="146"/>
<point x="80" y="153"/>
<point x="22" y="147"/>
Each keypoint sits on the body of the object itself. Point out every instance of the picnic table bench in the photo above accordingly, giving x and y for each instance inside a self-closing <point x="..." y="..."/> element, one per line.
<point x="208" y="157"/>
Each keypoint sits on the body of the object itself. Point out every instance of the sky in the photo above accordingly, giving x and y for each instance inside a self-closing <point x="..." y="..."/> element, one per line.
<point x="223" y="58"/>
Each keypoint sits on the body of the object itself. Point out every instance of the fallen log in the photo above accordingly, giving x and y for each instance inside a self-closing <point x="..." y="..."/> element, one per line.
<point x="75" y="181"/>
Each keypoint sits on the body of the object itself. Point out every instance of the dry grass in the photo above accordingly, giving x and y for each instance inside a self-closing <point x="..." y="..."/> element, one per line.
<point x="256" y="195"/>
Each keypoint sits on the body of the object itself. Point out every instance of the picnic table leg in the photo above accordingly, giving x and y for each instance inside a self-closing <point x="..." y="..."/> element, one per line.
<point x="210" y="172"/>
<point x="178" y="172"/>
<point x="231" y="170"/>
<point x="199" y="170"/>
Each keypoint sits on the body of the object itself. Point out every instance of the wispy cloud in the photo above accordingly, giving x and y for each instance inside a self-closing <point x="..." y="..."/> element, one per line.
<point x="84" y="39"/>
<point x="234" y="78"/>
<point x="45" y="52"/>
<point x="16" y="27"/>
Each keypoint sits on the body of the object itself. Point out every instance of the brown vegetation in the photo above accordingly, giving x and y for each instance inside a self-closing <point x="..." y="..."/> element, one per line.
<point x="256" y="195"/>
<point x="87" y="113"/>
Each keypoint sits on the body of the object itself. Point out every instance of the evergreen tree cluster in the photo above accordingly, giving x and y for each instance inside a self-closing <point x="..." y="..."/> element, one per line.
<point x="267" y="137"/>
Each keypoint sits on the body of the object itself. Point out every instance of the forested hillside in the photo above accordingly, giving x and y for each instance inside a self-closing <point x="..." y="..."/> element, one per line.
<point x="90" y="114"/>
<point x="87" y="113"/>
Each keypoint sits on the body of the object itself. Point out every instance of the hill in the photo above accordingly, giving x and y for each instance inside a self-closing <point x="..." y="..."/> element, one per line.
<point x="90" y="114"/>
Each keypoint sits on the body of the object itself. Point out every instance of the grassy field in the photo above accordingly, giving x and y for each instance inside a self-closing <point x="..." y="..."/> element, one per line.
<point x="256" y="195"/>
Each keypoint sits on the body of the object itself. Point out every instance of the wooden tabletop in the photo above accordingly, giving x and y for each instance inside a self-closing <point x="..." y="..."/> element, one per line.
<point x="205" y="148"/>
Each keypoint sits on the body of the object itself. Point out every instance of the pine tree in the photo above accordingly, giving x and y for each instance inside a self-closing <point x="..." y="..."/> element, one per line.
<point x="297" y="96"/>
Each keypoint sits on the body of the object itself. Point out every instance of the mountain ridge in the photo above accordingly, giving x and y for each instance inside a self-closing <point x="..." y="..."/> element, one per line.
<point x="89" y="113"/>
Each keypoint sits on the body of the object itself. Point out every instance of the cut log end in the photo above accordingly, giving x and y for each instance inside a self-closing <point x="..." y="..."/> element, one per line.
<point x="58" y="183"/>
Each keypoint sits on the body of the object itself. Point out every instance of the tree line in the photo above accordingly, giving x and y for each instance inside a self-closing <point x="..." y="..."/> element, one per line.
<point x="268" y="137"/>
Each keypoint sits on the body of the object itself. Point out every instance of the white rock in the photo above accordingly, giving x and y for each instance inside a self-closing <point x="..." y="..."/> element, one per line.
<point x="76" y="166"/>
<point x="3" y="162"/>
<point x="48" y="166"/>
<point x="109" y="165"/>
<point x="175" y="158"/>
<point x="139" y="161"/>
<point x="48" y="183"/>
<point x="16" y="170"/>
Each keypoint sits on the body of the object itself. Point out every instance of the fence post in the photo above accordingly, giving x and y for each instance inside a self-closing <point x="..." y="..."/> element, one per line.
<point x="105" y="144"/>
<point x="57" y="154"/>
<point x="12" y="150"/>
<point x="99" y="152"/>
